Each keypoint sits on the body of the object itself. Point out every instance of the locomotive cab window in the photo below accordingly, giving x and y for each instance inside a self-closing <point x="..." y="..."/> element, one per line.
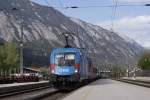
<point x="65" y="59"/>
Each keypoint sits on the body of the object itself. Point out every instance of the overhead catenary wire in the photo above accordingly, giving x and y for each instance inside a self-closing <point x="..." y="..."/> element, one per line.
<point x="114" y="9"/>
<point x="79" y="2"/>
<point x="47" y="2"/>
<point x="112" y="15"/>
<point x="97" y="6"/>
<point x="131" y="2"/>
<point x="103" y="6"/>
<point x="58" y="16"/>
<point x="61" y="4"/>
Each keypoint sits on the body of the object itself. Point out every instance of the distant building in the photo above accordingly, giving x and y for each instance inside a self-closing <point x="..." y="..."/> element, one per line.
<point x="32" y="72"/>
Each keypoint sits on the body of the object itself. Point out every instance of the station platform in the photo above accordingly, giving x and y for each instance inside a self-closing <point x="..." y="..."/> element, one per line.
<point x="107" y="89"/>
<point x="20" y="84"/>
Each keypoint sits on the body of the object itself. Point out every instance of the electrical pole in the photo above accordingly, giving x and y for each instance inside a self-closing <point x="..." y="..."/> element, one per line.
<point x="21" y="47"/>
<point x="128" y="71"/>
<point x="21" y="41"/>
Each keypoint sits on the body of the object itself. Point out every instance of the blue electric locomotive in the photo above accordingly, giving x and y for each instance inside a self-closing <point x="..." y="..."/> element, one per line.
<point x="69" y="66"/>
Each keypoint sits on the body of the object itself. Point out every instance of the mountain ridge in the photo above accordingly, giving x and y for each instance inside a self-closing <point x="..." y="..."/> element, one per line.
<point x="43" y="28"/>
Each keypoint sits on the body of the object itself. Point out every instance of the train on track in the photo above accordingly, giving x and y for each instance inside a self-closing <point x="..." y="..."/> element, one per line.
<point x="29" y="75"/>
<point x="70" y="67"/>
<point x="18" y="79"/>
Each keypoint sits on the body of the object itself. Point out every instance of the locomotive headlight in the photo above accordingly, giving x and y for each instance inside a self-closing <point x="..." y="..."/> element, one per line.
<point x="52" y="71"/>
<point x="76" y="71"/>
<point x="76" y="67"/>
<point x="52" y="68"/>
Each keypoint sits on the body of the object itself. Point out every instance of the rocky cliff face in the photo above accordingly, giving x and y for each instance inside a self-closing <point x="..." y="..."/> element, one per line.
<point x="43" y="28"/>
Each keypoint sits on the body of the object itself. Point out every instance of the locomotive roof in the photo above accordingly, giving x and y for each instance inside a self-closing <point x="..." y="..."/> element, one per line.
<point x="57" y="50"/>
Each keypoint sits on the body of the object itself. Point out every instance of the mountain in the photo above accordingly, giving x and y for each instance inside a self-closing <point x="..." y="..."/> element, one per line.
<point x="43" y="27"/>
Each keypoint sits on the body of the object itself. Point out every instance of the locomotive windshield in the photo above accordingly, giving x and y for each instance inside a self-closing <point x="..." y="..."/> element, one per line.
<point x="67" y="59"/>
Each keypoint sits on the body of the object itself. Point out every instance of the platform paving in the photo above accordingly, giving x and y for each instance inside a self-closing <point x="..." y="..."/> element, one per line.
<point x="107" y="89"/>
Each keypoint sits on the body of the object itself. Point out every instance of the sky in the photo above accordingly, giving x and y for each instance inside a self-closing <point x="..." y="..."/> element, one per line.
<point x="131" y="21"/>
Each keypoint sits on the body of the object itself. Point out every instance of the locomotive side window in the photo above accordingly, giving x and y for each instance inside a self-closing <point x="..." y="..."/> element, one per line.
<point x="65" y="59"/>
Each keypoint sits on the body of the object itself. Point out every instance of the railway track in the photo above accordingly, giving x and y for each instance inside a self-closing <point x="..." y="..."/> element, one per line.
<point x="58" y="95"/>
<point x="32" y="95"/>
<point x="13" y="92"/>
<point x="41" y="92"/>
<point x="136" y="82"/>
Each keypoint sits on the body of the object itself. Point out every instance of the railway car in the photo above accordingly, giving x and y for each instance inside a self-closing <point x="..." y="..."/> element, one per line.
<point x="69" y="67"/>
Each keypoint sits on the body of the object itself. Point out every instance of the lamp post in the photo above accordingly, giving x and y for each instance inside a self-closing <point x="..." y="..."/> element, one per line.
<point x="21" y="48"/>
<point x="21" y="41"/>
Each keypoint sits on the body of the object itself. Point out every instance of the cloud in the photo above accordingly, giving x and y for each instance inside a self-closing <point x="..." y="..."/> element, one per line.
<point x="137" y="28"/>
